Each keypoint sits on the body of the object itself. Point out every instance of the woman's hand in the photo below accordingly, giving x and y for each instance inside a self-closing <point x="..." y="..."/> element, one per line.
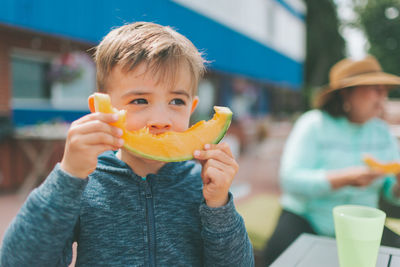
<point x="354" y="176"/>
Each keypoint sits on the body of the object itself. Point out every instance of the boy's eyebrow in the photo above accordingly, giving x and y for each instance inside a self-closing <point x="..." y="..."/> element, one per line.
<point x="135" y="93"/>
<point x="144" y="92"/>
<point x="181" y="92"/>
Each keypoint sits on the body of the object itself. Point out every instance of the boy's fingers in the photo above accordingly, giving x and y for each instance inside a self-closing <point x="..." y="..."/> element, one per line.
<point x="204" y="177"/>
<point x="211" y="172"/>
<point x="104" y="117"/>
<point x="222" y="183"/>
<point x="222" y="146"/>
<point x="104" y="139"/>
<point x="213" y="154"/>
<point x="103" y="148"/>
<point x="93" y="126"/>
<point x="99" y="139"/>
<point x="212" y="163"/>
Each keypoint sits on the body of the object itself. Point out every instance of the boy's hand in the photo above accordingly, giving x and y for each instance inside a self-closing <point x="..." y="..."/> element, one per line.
<point x="219" y="169"/>
<point x="87" y="138"/>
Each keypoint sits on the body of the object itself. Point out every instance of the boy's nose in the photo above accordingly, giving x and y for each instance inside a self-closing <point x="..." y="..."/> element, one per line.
<point x="159" y="123"/>
<point x="159" y="120"/>
<point x="159" y="127"/>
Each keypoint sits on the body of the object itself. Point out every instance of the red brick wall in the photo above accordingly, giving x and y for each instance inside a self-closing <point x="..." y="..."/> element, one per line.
<point x="5" y="83"/>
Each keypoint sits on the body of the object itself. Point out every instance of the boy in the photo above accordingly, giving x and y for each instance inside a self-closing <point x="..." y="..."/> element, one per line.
<point x="124" y="210"/>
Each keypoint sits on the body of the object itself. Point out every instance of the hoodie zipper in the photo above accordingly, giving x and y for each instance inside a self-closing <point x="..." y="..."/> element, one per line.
<point x="150" y="224"/>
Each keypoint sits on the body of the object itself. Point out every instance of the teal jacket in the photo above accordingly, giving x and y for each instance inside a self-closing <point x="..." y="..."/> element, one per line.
<point x="121" y="219"/>
<point x="319" y="143"/>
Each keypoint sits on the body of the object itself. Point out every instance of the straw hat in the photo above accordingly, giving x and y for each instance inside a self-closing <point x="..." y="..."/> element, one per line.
<point x="348" y="73"/>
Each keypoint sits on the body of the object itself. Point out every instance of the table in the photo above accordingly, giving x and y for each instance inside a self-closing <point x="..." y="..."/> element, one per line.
<point x="49" y="137"/>
<point x="316" y="251"/>
<point x="39" y="158"/>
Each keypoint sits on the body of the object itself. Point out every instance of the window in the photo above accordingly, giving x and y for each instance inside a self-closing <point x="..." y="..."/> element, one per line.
<point x="42" y="93"/>
<point x="56" y="81"/>
<point x="29" y="78"/>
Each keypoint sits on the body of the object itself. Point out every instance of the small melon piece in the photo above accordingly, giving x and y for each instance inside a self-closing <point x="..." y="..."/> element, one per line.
<point x="387" y="168"/>
<point x="168" y="146"/>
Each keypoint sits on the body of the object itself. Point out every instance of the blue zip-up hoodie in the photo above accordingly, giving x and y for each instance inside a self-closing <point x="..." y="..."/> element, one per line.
<point x="121" y="219"/>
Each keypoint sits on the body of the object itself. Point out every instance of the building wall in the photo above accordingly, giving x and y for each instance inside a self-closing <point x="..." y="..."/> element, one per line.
<point x="276" y="24"/>
<point x="254" y="38"/>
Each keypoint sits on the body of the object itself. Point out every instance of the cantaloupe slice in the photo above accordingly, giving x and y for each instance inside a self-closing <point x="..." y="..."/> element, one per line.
<point x="169" y="146"/>
<point x="387" y="168"/>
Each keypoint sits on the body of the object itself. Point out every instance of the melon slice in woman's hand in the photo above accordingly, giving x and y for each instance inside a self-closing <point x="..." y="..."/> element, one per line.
<point x="169" y="146"/>
<point x="387" y="168"/>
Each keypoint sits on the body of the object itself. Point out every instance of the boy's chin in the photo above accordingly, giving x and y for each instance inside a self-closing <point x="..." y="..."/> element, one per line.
<point x="150" y="161"/>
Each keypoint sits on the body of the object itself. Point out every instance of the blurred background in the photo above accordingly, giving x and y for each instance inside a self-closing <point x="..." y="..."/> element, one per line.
<point x="267" y="59"/>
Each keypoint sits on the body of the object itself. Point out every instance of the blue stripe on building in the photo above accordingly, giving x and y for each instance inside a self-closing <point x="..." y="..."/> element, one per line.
<point x="88" y="21"/>
<point x="30" y="116"/>
<point x="291" y="9"/>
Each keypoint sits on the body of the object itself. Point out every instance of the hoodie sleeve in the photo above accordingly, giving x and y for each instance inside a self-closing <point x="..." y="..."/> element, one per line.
<point x="43" y="231"/>
<point x="226" y="242"/>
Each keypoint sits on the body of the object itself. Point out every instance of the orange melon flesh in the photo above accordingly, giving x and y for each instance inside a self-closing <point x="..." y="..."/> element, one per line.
<point x="387" y="168"/>
<point x="169" y="146"/>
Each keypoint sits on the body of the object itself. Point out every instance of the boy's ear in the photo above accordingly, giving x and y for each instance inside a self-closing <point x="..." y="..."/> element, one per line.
<point x="195" y="102"/>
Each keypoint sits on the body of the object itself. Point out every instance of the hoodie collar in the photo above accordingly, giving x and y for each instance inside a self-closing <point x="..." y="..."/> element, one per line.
<point x="109" y="161"/>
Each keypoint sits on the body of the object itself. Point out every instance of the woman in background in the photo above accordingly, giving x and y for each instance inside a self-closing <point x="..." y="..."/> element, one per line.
<point x="322" y="164"/>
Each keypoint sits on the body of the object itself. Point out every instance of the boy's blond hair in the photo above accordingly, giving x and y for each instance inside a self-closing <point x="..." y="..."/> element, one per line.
<point x="161" y="48"/>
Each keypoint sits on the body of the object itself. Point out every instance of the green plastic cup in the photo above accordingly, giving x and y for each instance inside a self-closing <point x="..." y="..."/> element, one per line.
<point x="358" y="234"/>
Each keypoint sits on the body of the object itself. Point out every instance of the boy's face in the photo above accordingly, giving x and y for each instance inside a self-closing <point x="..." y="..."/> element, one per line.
<point x="148" y="103"/>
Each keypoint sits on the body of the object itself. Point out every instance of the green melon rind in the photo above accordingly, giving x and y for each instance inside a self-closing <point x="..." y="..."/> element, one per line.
<point x="224" y="129"/>
<point x="182" y="158"/>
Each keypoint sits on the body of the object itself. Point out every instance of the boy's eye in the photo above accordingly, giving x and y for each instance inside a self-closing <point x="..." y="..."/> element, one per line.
<point x="177" y="101"/>
<point x="139" y="101"/>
